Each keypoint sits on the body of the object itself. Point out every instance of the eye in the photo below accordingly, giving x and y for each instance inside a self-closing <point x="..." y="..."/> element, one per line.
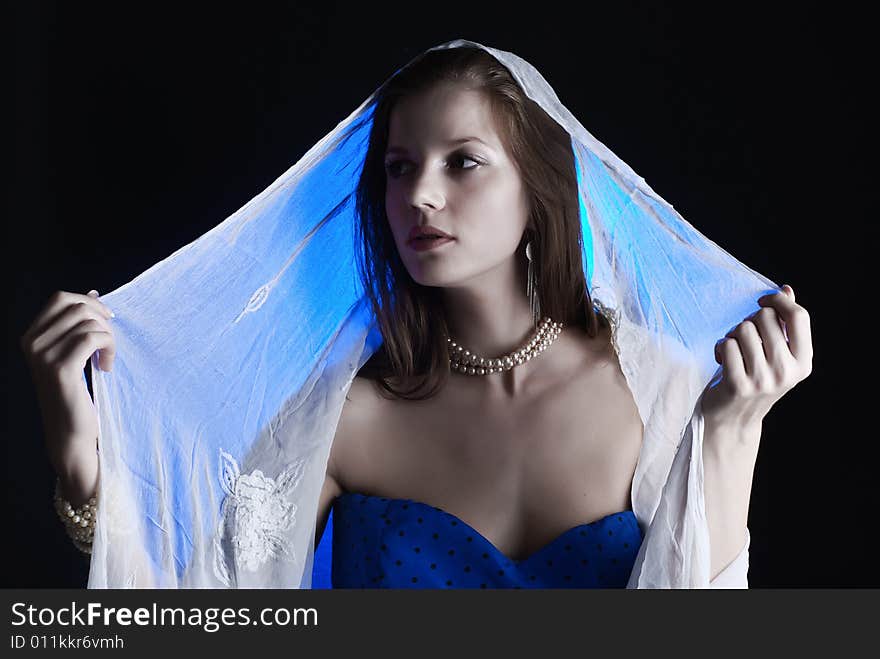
<point x="458" y="157"/>
<point x="390" y="166"/>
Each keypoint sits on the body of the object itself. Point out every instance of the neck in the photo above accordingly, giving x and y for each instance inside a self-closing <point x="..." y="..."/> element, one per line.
<point x="490" y="316"/>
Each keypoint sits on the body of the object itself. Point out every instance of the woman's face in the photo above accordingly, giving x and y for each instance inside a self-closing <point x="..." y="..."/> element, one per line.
<point x="470" y="190"/>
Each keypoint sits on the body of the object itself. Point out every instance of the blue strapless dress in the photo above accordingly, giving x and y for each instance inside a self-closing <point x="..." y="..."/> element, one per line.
<point x="381" y="542"/>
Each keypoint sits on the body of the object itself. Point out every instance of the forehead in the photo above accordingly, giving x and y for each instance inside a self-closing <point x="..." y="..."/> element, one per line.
<point x="442" y="113"/>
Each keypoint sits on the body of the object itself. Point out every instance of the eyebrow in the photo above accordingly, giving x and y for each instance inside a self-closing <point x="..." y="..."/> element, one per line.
<point x="459" y="140"/>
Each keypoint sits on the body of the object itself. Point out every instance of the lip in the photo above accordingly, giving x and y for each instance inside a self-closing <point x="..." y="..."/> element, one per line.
<point x="417" y="231"/>
<point x="430" y="243"/>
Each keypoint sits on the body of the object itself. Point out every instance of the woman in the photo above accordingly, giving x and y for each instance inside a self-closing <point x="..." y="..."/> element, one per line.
<point x="511" y="431"/>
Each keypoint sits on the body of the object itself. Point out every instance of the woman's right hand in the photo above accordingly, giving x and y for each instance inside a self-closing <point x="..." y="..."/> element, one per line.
<point x="57" y="346"/>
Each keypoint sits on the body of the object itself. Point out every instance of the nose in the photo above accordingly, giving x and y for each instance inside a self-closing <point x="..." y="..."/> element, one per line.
<point x="425" y="192"/>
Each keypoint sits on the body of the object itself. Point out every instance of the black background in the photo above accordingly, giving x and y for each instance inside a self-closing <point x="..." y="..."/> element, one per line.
<point x="139" y="128"/>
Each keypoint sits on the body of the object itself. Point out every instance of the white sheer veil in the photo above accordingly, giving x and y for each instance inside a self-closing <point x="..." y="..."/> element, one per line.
<point x="235" y="353"/>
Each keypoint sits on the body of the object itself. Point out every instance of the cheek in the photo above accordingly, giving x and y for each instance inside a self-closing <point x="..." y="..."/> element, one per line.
<point x="389" y="200"/>
<point x="491" y="207"/>
<point x="394" y="209"/>
<point x="496" y="208"/>
<point x="396" y="198"/>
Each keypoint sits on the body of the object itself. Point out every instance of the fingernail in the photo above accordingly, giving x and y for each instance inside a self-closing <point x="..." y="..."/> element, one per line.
<point x="109" y="310"/>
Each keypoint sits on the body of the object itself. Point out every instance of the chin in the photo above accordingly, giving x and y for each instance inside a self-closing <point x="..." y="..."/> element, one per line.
<point x="431" y="275"/>
<point x="429" y="280"/>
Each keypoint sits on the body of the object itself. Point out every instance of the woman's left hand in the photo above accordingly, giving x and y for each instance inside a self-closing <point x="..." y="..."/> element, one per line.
<point x="759" y="364"/>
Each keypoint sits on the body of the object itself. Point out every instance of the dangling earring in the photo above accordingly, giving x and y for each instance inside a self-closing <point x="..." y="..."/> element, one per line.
<point x="532" y="286"/>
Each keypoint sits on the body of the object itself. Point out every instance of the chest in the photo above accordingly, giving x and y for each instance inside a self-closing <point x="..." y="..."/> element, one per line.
<point x="520" y="474"/>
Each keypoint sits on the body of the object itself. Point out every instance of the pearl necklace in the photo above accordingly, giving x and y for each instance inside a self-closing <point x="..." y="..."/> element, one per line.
<point x="468" y="363"/>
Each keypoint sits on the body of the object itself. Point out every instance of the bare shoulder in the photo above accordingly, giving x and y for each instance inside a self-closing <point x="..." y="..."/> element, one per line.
<point x="600" y="375"/>
<point x="594" y="351"/>
<point x="359" y="416"/>
<point x="363" y="402"/>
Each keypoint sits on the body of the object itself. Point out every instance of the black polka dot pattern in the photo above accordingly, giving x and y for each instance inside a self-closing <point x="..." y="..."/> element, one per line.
<point x="381" y="542"/>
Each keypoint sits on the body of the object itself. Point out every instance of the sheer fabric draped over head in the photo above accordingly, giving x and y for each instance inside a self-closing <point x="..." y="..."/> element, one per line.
<point x="235" y="353"/>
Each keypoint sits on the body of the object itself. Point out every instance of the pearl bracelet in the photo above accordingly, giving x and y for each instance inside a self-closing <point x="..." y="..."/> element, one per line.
<point x="78" y="522"/>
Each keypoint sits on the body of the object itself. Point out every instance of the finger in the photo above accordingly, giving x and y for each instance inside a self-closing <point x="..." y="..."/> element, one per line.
<point x="773" y="341"/>
<point x="95" y="294"/>
<point x="96" y="341"/>
<point x="764" y="302"/>
<point x="107" y="354"/>
<point x="734" y="370"/>
<point x="797" y="323"/>
<point x="58" y="303"/>
<point x="64" y="322"/>
<point x="76" y="347"/>
<point x="749" y="341"/>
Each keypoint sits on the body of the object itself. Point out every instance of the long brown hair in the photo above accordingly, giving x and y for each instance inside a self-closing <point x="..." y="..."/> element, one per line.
<point x="410" y="316"/>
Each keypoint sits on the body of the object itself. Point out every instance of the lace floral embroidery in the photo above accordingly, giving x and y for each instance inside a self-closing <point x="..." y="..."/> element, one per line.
<point x="254" y="517"/>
